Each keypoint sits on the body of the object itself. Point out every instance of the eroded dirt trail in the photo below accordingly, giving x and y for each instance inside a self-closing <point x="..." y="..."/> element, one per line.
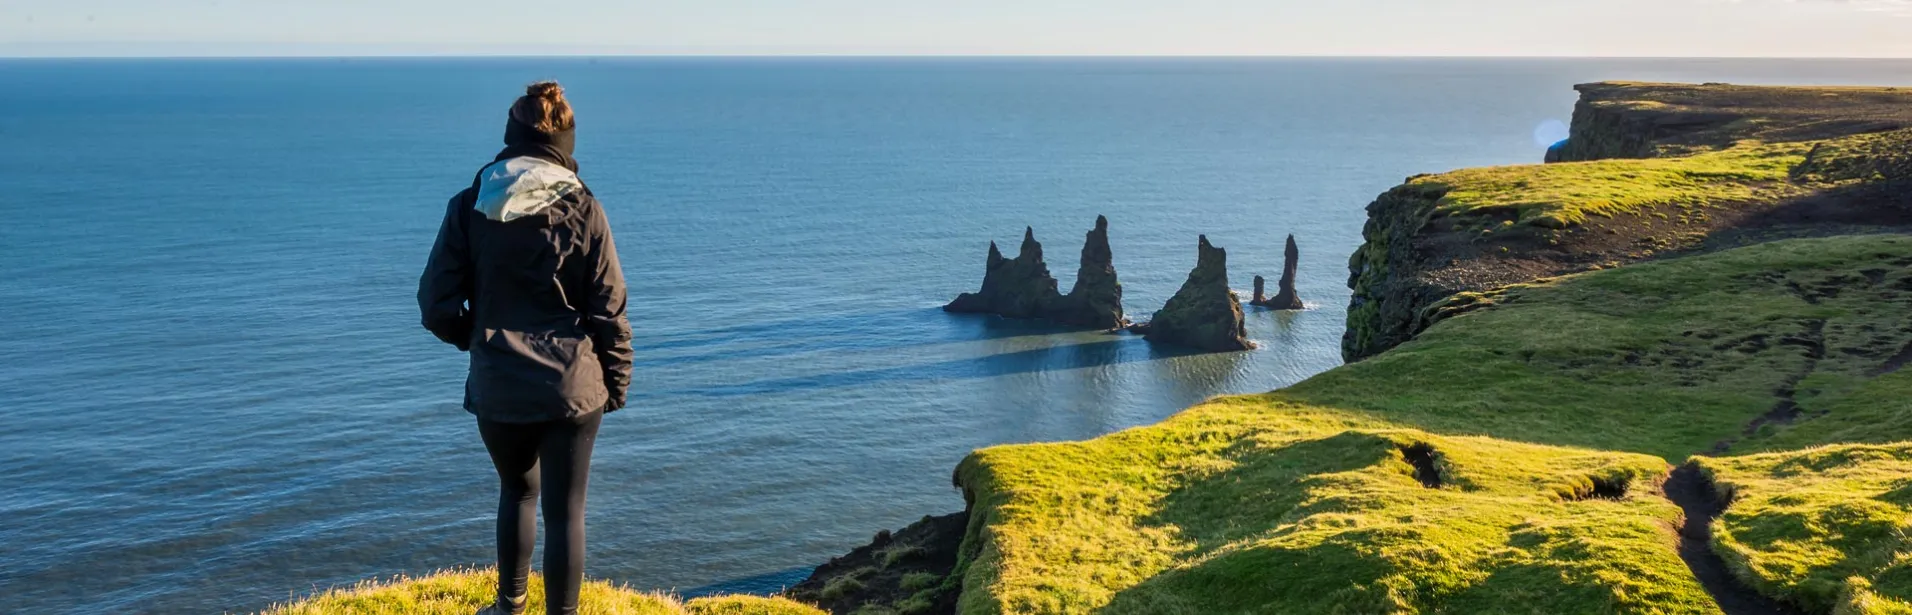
<point x="1688" y="488"/>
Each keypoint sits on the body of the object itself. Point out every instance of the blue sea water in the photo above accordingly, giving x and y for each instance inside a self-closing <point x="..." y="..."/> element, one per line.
<point x="214" y="394"/>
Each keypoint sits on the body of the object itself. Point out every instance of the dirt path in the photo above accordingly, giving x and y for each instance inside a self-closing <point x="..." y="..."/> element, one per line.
<point x="1689" y="488"/>
<point x="1897" y="362"/>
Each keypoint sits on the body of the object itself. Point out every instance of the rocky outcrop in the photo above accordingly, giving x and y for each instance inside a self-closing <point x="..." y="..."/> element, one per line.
<point x="1019" y="287"/>
<point x="1556" y="152"/>
<point x="1205" y="314"/>
<point x="902" y="572"/>
<point x="1022" y="287"/>
<point x="1285" y="297"/>
<point x="1096" y="300"/>
<point x="1386" y="274"/>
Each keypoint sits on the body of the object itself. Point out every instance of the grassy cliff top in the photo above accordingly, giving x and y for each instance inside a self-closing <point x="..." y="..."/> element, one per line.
<point x="1746" y="175"/>
<point x="1568" y="194"/>
<point x="1686" y="117"/>
<point x="463" y="592"/>
<point x="1508" y="460"/>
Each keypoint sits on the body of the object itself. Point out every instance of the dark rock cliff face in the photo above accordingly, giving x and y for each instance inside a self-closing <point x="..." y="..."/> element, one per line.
<point x="1285" y="297"/>
<point x="886" y="576"/>
<point x="1205" y="314"/>
<point x="1651" y="120"/>
<point x="1389" y="297"/>
<point x="1022" y="287"/>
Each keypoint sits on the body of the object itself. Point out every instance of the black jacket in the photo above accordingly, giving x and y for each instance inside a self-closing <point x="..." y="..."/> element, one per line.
<point x="528" y="281"/>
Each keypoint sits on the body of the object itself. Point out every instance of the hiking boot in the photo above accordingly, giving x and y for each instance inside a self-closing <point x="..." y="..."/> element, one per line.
<point x="504" y="606"/>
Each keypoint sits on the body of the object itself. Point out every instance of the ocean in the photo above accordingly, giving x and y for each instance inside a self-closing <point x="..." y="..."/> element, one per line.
<point x="215" y="393"/>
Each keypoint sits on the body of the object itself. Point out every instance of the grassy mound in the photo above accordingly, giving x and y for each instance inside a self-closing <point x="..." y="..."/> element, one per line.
<point x="1458" y="472"/>
<point x="1824" y="527"/>
<point x="463" y="592"/>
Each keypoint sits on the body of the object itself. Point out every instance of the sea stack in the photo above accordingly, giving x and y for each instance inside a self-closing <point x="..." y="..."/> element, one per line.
<point x="1019" y="287"/>
<point x="1285" y="297"/>
<point x="1096" y="300"/>
<point x="1205" y="314"/>
<point x="1023" y="288"/>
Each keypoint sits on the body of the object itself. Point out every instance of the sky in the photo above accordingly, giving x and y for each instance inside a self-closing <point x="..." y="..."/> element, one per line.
<point x="1611" y="28"/>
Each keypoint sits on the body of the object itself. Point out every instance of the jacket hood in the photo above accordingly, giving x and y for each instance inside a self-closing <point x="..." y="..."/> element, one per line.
<point x="517" y="187"/>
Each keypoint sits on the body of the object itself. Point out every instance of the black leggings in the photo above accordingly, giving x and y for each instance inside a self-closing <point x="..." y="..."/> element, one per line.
<point x="558" y="455"/>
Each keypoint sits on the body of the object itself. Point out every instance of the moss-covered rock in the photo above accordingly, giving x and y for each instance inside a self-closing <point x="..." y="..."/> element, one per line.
<point x="902" y="573"/>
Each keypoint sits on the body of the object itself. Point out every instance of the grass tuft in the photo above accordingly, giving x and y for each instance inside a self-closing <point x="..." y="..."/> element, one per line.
<point x="463" y="592"/>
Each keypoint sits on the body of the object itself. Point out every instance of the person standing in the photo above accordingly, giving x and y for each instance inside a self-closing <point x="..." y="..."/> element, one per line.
<point x="525" y="278"/>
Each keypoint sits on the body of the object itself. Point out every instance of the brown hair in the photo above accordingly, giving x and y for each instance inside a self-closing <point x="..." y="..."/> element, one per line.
<point x="544" y="108"/>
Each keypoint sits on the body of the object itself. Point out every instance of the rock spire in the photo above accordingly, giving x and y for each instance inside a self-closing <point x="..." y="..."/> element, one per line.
<point x="1205" y="314"/>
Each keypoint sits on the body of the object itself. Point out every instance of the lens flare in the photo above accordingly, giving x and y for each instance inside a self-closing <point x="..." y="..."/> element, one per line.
<point x="1550" y="132"/>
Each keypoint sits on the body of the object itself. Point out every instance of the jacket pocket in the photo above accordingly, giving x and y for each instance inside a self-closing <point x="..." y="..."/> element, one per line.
<point x="550" y="372"/>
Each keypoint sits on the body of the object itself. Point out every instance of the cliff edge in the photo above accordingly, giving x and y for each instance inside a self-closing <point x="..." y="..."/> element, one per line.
<point x="1654" y="170"/>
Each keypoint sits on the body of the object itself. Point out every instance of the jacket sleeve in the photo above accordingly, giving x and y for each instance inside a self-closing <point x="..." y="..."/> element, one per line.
<point x="445" y="287"/>
<point x="603" y="304"/>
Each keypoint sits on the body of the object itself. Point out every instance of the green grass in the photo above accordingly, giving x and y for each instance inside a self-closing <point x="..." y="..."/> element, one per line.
<point x="1300" y="501"/>
<point x="918" y="581"/>
<point x="1825" y="527"/>
<point x="1568" y="194"/>
<point x="902" y="553"/>
<point x="1874" y="411"/>
<point x="843" y="586"/>
<point x="463" y="592"/>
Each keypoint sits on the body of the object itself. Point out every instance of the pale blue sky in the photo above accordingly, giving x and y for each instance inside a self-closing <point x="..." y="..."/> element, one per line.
<point x="1816" y="28"/>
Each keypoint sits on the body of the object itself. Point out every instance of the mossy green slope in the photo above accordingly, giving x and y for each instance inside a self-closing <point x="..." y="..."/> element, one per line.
<point x="463" y="592"/>
<point x="1825" y="527"/>
<point x="1302" y="500"/>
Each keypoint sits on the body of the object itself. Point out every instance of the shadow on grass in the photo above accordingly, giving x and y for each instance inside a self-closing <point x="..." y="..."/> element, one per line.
<point x="1264" y="486"/>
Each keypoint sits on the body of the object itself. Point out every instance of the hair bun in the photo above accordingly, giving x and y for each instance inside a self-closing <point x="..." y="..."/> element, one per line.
<point x="544" y="108"/>
<point x="547" y="90"/>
